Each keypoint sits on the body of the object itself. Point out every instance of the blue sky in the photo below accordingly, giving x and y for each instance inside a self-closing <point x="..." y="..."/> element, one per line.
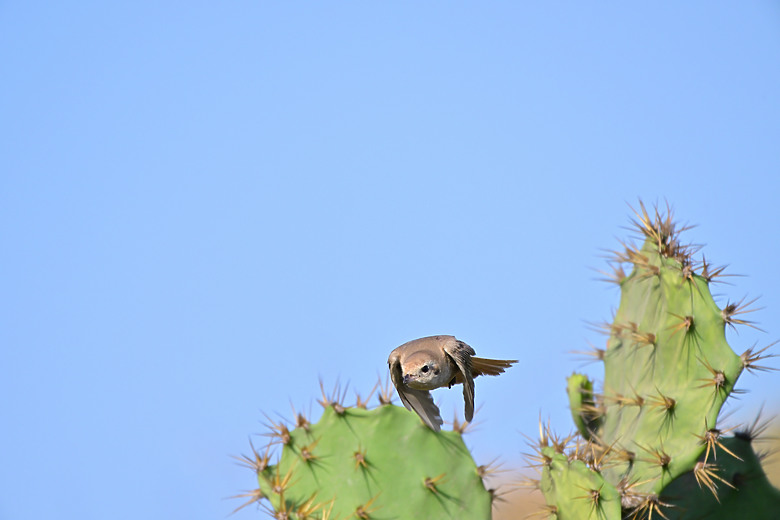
<point x="207" y="206"/>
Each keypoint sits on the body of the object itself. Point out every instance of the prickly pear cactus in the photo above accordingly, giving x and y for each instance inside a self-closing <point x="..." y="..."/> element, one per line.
<point x="667" y="372"/>
<point x="360" y="463"/>
<point x="743" y="491"/>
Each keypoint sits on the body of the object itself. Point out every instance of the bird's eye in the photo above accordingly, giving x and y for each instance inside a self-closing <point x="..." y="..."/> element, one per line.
<point x="424" y="368"/>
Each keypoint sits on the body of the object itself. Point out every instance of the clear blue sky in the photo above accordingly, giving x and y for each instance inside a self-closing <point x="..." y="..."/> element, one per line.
<point x="206" y="206"/>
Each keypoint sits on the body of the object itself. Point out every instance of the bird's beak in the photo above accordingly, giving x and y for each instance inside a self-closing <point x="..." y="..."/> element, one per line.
<point x="407" y="378"/>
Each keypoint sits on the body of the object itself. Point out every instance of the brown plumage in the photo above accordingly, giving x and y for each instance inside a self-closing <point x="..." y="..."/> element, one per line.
<point x="486" y="367"/>
<point x="428" y="363"/>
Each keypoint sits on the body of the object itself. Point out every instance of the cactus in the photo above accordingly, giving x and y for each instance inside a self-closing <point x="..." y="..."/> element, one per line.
<point x="744" y="491"/>
<point x="667" y="372"/>
<point x="361" y="463"/>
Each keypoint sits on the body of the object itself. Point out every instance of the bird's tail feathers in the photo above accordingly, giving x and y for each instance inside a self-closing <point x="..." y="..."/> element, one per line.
<point x="490" y="367"/>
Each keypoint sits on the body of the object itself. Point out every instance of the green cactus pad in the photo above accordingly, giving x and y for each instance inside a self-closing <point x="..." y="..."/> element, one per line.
<point x="578" y="492"/>
<point x="584" y="409"/>
<point x="743" y="490"/>
<point x="668" y="370"/>
<point x="379" y="463"/>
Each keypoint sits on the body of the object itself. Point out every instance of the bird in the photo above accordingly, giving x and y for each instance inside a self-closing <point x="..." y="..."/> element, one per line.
<point x="424" y="364"/>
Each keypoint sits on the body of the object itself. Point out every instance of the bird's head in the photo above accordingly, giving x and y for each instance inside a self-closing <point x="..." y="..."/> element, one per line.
<point x="422" y="372"/>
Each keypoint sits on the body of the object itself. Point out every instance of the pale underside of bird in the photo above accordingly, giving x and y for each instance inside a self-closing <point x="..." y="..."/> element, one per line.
<point x="434" y="362"/>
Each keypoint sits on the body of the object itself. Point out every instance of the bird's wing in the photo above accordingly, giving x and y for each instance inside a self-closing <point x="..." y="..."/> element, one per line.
<point x="461" y="354"/>
<point x="420" y="401"/>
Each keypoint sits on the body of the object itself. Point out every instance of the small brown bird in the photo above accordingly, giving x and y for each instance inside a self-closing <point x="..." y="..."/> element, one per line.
<point x="433" y="362"/>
